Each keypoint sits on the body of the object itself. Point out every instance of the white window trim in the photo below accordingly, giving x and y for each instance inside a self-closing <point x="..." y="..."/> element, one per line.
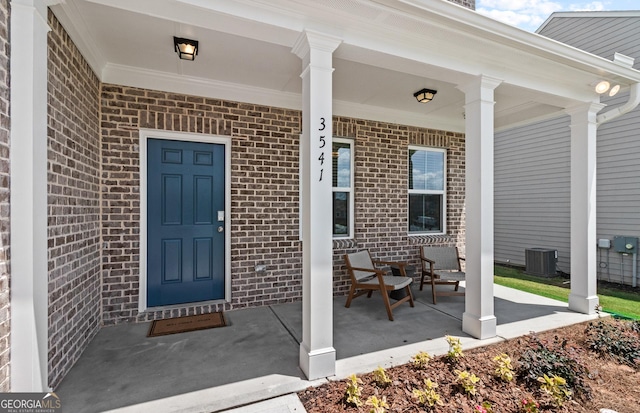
<point x="443" y="192"/>
<point x="146" y="134"/>
<point x="350" y="189"/>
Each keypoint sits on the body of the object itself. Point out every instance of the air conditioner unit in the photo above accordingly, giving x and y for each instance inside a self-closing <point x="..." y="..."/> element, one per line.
<point x="541" y="261"/>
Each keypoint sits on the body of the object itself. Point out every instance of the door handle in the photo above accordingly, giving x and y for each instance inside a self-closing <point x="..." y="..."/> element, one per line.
<point x="220" y="228"/>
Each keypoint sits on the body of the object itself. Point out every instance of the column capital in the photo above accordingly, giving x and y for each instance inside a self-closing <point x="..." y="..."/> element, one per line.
<point x="590" y="109"/>
<point x="310" y="39"/>
<point x="476" y="88"/>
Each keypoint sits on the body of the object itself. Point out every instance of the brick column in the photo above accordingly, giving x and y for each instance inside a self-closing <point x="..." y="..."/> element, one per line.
<point x="29" y="297"/>
<point x="478" y="319"/>
<point x="317" y="355"/>
<point x="584" y="272"/>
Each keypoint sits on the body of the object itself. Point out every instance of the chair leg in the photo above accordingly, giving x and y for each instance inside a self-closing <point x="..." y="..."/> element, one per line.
<point x="408" y="288"/>
<point x="387" y="303"/>
<point x="352" y="291"/>
<point x="457" y="285"/>
<point x="369" y="293"/>
<point x="421" y="281"/>
<point x="433" y="290"/>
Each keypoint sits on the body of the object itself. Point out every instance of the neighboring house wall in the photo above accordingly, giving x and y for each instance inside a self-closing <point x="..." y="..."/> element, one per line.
<point x="532" y="191"/>
<point x="531" y="215"/>
<point x="73" y="203"/>
<point x="264" y="190"/>
<point x="5" y="127"/>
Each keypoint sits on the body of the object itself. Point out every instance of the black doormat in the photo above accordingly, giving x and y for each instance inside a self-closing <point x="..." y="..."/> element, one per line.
<point x="187" y="323"/>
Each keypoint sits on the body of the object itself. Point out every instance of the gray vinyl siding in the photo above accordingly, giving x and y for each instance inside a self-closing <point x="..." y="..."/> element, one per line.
<point x="532" y="191"/>
<point x="618" y="207"/>
<point x="532" y="172"/>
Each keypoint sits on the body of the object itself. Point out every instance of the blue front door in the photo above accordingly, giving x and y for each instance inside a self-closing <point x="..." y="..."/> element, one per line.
<point x="185" y="222"/>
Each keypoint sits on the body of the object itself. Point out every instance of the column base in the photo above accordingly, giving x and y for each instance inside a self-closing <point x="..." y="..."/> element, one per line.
<point x="584" y="305"/>
<point x="479" y="327"/>
<point x="317" y="364"/>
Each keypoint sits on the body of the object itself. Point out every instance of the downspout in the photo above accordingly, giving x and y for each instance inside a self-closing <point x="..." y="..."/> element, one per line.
<point x="632" y="103"/>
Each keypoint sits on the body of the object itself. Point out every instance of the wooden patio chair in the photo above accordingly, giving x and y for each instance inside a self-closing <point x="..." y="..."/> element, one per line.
<point x="441" y="266"/>
<point x="367" y="278"/>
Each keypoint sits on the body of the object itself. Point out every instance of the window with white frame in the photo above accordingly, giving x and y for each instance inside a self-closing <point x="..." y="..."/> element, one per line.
<point x="342" y="163"/>
<point x="427" y="190"/>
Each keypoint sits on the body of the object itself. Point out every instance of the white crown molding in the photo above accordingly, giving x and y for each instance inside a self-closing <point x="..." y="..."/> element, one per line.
<point x="189" y="85"/>
<point x="168" y="82"/>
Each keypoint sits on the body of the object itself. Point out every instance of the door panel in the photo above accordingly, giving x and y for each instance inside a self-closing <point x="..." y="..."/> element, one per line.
<point x="185" y="250"/>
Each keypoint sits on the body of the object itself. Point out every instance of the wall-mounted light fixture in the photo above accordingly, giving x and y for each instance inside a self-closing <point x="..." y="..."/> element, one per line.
<point x="187" y="49"/>
<point x="603" y="86"/>
<point x="425" y="95"/>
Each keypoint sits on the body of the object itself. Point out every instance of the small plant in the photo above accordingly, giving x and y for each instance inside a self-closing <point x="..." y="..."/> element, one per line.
<point x="467" y="381"/>
<point x="421" y="360"/>
<point x="530" y="406"/>
<point x="555" y="386"/>
<point x="380" y="377"/>
<point x="455" y="349"/>
<point x="377" y="405"/>
<point x="428" y="396"/>
<point x="485" y="407"/>
<point x="353" y="392"/>
<point x="504" y="370"/>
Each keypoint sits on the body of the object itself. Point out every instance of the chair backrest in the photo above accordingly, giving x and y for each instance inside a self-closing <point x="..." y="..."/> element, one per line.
<point x="446" y="258"/>
<point x="360" y="259"/>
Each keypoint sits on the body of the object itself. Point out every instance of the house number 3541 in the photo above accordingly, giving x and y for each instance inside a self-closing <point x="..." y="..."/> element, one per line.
<point x="321" y="145"/>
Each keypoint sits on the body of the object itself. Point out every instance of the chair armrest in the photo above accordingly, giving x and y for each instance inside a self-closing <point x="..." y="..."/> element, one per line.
<point x="428" y="260"/>
<point x="371" y="270"/>
<point x="400" y="264"/>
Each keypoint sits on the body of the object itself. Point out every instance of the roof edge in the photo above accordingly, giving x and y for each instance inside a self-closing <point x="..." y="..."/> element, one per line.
<point x="599" y="14"/>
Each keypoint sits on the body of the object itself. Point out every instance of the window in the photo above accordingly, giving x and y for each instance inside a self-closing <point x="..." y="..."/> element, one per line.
<point x="427" y="190"/>
<point x="342" y="188"/>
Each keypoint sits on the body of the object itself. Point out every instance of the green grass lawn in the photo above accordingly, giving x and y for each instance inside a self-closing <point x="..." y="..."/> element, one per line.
<point x="612" y="300"/>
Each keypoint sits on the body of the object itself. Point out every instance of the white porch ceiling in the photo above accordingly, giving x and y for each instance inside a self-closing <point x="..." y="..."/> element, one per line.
<point x="391" y="48"/>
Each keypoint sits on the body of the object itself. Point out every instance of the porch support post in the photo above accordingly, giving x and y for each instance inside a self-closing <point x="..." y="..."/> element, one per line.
<point x="583" y="296"/>
<point x="317" y="355"/>
<point x="29" y="298"/>
<point x="478" y="319"/>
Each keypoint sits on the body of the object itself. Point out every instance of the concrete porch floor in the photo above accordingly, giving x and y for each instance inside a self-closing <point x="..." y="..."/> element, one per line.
<point x="256" y="357"/>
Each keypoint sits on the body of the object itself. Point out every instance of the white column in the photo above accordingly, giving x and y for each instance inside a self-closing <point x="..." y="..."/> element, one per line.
<point x="29" y="298"/>
<point x="317" y="355"/>
<point x="478" y="319"/>
<point x="583" y="296"/>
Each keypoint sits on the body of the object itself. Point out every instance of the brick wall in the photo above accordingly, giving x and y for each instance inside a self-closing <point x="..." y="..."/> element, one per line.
<point x="471" y="4"/>
<point x="5" y="126"/>
<point x="74" y="202"/>
<point x="264" y="192"/>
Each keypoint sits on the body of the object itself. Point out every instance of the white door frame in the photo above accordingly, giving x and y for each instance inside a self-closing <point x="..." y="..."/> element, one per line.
<point x="146" y="134"/>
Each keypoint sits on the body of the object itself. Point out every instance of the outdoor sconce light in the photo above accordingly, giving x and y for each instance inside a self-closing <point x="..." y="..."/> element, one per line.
<point x="187" y="49"/>
<point x="603" y="87"/>
<point x="425" y="95"/>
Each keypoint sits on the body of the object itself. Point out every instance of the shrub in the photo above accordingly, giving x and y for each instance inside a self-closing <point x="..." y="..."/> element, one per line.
<point x="377" y="405"/>
<point x="467" y="381"/>
<point x="455" y="349"/>
<point x="555" y="386"/>
<point x="619" y="341"/>
<point x="552" y="359"/>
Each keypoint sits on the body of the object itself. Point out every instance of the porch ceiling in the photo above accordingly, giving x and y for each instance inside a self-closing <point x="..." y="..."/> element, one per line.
<point x="390" y="49"/>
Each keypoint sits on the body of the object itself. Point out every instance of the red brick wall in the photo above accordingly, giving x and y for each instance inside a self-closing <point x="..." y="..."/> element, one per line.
<point x="5" y="126"/>
<point x="264" y="188"/>
<point x="74" y="202"/>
